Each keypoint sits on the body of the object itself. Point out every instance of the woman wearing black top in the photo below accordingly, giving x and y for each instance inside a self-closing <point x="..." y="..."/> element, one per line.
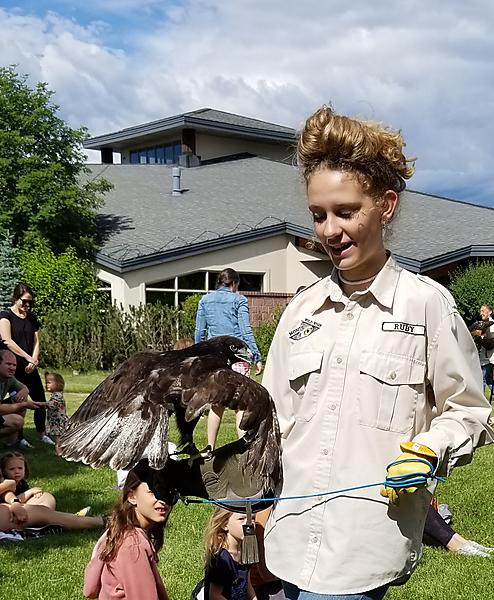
<point x="19" y="330"/>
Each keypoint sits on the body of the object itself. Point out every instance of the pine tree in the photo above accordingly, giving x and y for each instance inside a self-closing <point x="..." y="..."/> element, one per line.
<point x="10" y="272"/>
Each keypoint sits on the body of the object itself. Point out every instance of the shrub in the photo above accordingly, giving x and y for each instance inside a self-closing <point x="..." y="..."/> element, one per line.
<point x="471" y="287"/>
<point x="188" y="315"/>
<point x="86" y="337"/>
<point x="59" y="282"/>
<point x="264" y="332"/>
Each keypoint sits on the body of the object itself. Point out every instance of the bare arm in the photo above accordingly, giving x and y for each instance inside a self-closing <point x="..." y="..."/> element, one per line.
<point x="216" y="592"/>
<point x="7" y="489"/>
<point x="6" y="335"/>
<point x="251" y="594"/>
<point x="11" y="409"/>
<point x="36" y="347"/>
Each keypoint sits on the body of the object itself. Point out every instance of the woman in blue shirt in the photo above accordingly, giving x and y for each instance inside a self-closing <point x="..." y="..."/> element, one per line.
<point x="226" y="312"/>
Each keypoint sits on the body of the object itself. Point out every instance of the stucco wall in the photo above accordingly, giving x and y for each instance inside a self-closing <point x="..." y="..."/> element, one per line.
<point x="284" y="266"/>
<point x="214" y="146"/>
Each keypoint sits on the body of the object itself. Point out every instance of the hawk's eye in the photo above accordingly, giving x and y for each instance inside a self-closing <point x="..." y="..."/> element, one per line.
<point x="233" y="348"/>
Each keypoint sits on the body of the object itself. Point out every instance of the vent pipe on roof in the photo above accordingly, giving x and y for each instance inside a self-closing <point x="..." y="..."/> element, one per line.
<point x="177" y="181"/>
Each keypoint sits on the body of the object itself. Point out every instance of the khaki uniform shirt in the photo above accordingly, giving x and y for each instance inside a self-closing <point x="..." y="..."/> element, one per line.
<point x="352" y="378"/>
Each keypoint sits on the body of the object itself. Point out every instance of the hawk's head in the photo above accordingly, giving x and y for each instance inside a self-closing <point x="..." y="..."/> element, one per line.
<point x="230" y="348"/>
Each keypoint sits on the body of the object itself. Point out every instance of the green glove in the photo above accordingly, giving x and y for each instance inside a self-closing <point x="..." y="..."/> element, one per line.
<point x="406" y="464"/>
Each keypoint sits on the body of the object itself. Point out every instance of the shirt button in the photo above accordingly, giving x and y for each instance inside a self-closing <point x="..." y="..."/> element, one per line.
<point x="315" y="540"/>
<point x="349" y="316"/>
<point x="332" y="406"/>
<point x="325" y="451"/>
<point x="392" y="375"/>
<point x="339" y="360"/>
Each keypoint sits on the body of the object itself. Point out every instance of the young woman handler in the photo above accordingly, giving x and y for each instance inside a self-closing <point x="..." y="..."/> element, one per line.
<point x="368" y="364"/>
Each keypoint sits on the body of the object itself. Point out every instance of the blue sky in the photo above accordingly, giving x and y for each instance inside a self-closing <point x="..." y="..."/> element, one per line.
<point x="426" y="68"/>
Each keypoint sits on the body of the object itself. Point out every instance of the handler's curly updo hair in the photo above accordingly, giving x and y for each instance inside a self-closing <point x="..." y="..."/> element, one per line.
<point x="371" y="152"/>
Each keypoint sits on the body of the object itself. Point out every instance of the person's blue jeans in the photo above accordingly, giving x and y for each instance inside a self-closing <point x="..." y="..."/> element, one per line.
<point x="487" y="375"/>
<point x="292" y="592"/>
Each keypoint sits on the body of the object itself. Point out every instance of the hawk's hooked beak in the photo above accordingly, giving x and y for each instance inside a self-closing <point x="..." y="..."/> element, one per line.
<point x="246" y="355"/>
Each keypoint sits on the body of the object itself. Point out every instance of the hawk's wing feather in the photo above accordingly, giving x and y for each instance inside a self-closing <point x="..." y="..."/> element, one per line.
<point x="120" y="440"/>
<point x="229" y="389"/>
<point x="127" y="414"/>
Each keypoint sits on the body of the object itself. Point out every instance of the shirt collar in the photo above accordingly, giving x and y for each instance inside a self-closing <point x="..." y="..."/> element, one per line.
<point x="383" y="288"/>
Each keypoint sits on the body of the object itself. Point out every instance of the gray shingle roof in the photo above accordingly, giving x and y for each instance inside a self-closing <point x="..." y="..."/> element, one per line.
<point x="206" y="119"/>
<point x="233" y="201"/>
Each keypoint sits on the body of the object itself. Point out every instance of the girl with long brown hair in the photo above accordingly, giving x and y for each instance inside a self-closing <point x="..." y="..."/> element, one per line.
<point x="124" y="561"/>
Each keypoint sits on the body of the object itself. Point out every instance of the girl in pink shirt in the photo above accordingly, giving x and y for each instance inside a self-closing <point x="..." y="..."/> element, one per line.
<point x="124" y="560"/>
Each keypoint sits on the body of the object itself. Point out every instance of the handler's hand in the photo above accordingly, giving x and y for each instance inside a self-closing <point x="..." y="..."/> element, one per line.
<point x="410" y="450"/>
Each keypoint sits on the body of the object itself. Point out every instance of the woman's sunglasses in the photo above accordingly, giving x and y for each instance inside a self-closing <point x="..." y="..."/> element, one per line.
<point x="26" y="302"/>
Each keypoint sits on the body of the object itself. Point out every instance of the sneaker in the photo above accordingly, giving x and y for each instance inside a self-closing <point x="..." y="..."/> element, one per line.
<point x="84" y="512"/>
<point x="37" y="532"/>
<point x="470" y="548"/>
<point x="25" y="444"/>
<point x="483" y="548"/>
<point x="47" y="440"/>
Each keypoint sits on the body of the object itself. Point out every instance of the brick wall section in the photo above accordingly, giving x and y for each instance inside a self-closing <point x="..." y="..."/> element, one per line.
<point x="262" y="304"/>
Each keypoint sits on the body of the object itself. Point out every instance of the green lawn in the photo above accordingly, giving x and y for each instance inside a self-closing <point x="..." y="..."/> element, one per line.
<point x="53" y="567"/>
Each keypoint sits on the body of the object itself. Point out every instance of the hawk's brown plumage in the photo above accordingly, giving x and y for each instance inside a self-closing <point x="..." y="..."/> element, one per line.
<point x="127" y="414"/>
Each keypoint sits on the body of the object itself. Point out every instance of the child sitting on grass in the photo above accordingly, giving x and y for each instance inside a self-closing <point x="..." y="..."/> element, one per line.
<point x="13" y="466"/>
<point x="124" y="560"/>
<point x="14" y="515"/>
<point x="57" y="419"/>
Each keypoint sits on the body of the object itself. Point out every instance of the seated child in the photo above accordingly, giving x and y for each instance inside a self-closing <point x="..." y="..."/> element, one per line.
<point x="225" y="577"/>
<point x="124" y="560"/>
<point x="14" y="467"/>
<point x="56" y="416"/>
<point x="15" y="515"/>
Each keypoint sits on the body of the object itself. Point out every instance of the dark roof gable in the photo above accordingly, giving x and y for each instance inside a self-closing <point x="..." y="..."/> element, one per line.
<point x="205" y="119"/>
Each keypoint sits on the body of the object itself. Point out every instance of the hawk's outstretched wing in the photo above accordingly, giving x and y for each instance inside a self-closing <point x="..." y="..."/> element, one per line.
<point x="127" y="414"/>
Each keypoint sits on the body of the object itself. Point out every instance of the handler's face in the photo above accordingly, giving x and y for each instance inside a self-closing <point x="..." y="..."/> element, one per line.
<point x="348" y="222"/>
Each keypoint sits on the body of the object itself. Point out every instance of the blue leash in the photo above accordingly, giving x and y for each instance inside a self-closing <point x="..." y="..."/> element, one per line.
<point x="396" y="482"/>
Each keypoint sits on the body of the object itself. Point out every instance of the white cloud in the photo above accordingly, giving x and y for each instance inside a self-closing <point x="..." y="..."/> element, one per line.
<point x="424" y="68"/>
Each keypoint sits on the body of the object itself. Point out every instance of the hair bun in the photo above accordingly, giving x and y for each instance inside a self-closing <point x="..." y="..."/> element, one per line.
<point x="366" y="148"/>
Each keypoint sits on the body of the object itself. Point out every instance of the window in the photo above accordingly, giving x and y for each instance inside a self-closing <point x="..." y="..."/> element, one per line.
<point x="103" y="292"/>
<point x="165" y="154"/>
<point x="174" y="291"/>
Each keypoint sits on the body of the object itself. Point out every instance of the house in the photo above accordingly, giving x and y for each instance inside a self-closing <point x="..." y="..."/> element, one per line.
<point x="203" y="190"/>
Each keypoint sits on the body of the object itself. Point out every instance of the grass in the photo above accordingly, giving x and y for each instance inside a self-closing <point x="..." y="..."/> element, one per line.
<point x="53" y="566"/>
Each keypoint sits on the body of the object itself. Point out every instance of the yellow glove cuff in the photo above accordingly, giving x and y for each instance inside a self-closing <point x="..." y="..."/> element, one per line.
<point x="419" y="450"/>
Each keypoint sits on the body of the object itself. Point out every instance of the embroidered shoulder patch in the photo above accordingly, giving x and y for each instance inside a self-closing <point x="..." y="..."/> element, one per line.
<point x="403" y="328"/>
<point x="306" y="328"/>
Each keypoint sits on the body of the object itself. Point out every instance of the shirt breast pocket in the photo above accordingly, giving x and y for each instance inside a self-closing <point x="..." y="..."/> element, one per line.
<point x="305" y="382"/>
<point x="389" y="388"/>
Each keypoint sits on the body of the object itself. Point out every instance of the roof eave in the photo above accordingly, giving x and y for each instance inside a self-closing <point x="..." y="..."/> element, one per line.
<point x="435" y="262"/>
<point x="132" y="264"/>
<point x="119" y="138"/>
